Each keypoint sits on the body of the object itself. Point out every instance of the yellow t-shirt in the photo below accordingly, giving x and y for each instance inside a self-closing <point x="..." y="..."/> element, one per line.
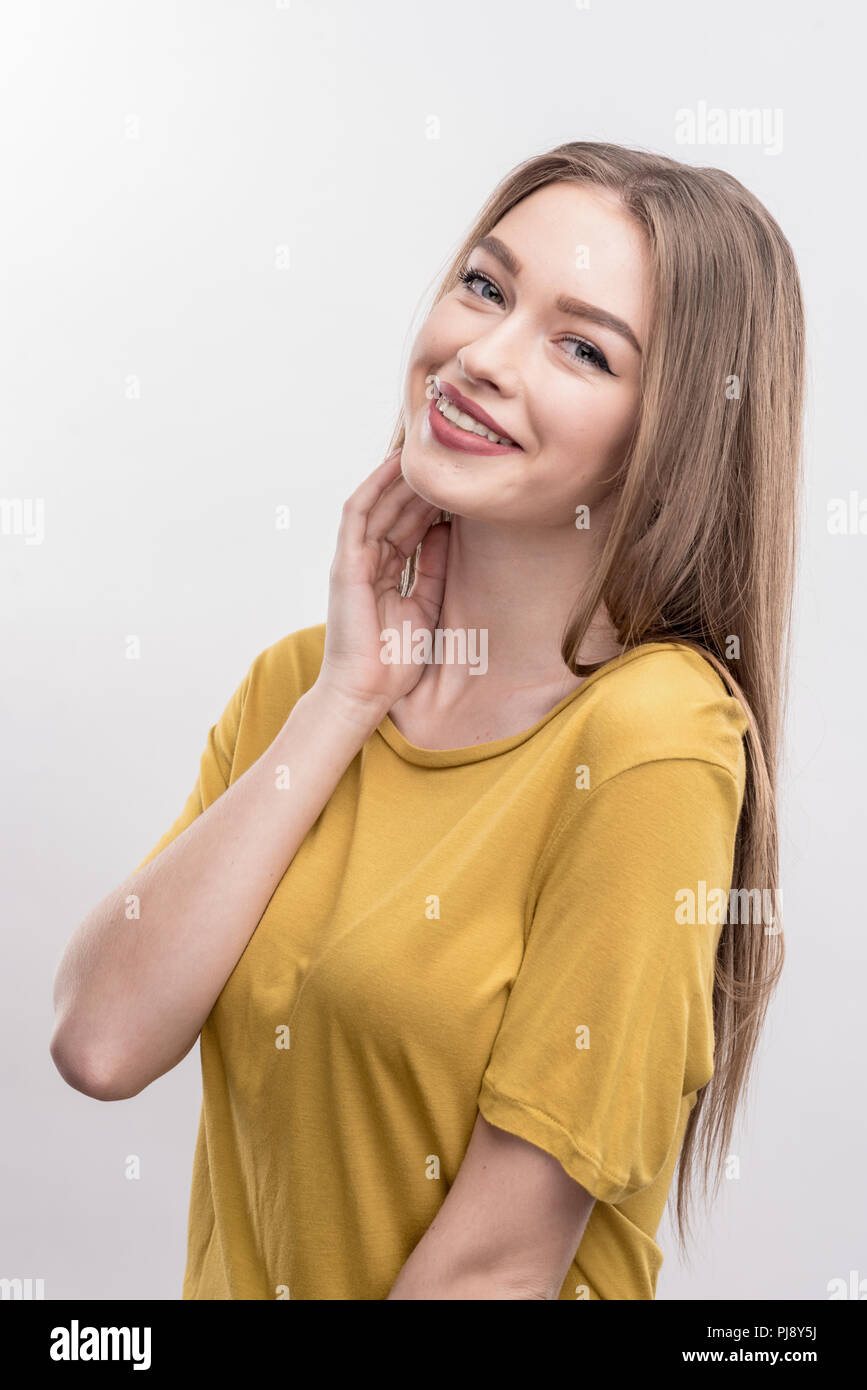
<point x="502" y="927"/>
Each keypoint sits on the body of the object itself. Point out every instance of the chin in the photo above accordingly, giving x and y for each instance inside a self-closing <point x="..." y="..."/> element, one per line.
<point x="458" y="483"/>
<point x="424" y="474"/>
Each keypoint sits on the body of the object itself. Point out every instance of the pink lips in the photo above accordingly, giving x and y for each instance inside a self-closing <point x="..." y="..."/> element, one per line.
<point x="452" y="394"/>
<point x="453" y="437"/>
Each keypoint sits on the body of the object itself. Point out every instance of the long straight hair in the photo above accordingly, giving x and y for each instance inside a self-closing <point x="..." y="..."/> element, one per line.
<point x="702" y="546"/>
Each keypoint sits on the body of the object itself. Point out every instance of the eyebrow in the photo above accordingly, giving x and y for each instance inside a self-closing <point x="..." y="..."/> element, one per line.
<point x="579" y="308"/>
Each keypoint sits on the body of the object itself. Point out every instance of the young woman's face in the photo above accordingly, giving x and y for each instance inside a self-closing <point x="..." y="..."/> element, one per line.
<point x="564" y="386"/>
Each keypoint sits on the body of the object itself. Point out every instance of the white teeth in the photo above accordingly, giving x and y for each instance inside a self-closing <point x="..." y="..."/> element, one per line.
<point x="460" y="417"/>
<point x="466" y="422"/>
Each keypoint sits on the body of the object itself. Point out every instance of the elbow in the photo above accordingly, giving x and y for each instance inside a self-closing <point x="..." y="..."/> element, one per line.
<point x="89" y="1074"/>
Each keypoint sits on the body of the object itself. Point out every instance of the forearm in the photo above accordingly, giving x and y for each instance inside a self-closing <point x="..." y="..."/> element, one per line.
<point x="446" y="1266"/>
<point x="467" y="1287"/>
<point x="131" y="995"/>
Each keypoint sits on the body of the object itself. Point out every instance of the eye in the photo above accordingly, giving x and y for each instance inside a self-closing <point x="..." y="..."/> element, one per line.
<point x="593" y="357"/>
<point x="588" y="356"/>
<point x="468" y="275"/>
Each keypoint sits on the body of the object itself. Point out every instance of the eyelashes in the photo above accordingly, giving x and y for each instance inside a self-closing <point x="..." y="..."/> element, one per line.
<point x="595" y="358"/>
<point x="469" y="273"/>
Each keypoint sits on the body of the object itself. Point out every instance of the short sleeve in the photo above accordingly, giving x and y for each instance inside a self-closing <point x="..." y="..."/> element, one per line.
<point x="215" y="770"/>
<point x="609" y="1021"/>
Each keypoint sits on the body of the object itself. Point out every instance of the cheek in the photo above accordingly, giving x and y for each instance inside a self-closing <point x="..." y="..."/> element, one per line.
<point x="624" y="419"/>
<point x="600" y="418"/>
<point x="435" y="341"/>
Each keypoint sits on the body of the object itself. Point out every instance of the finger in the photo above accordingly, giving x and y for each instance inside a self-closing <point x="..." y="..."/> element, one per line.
<point x="430" y="571"/>
<point x="399" y="549"/>
<point x="397" y="501"/>
<point x="410" y="526"/>
<point x="353" y="520"/>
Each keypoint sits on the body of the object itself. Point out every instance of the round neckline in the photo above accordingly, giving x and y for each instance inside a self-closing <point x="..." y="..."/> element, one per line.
<point x="475" y="752"/>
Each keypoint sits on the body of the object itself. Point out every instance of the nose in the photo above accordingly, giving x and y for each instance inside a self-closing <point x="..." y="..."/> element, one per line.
<point x="484" y="362"/>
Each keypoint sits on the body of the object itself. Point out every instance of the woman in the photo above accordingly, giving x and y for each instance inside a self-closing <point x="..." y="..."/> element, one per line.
<point x="461" y="952"/>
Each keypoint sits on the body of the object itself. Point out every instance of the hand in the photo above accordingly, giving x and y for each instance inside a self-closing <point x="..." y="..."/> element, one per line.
<point x="381" y="525"/>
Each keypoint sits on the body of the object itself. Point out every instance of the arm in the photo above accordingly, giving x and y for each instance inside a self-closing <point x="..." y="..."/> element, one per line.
<point x="508" y="1228"/>
<point x="131" y="996"/>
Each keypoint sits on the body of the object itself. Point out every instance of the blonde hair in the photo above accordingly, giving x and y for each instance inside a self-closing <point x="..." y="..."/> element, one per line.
<point x="702" y="544"/>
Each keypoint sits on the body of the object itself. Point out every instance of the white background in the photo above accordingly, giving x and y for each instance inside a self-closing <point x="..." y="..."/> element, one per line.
<point x="155" y="157"/>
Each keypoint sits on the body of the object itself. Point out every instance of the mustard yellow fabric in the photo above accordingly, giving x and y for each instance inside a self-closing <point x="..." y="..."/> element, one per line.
<point x="491" y="927"/>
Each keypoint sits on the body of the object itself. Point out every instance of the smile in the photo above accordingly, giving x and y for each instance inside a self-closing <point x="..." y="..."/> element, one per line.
<point x="459" y="430"/>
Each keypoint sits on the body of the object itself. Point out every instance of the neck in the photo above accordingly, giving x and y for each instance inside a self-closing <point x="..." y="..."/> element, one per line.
<point x="520" y="585"/>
